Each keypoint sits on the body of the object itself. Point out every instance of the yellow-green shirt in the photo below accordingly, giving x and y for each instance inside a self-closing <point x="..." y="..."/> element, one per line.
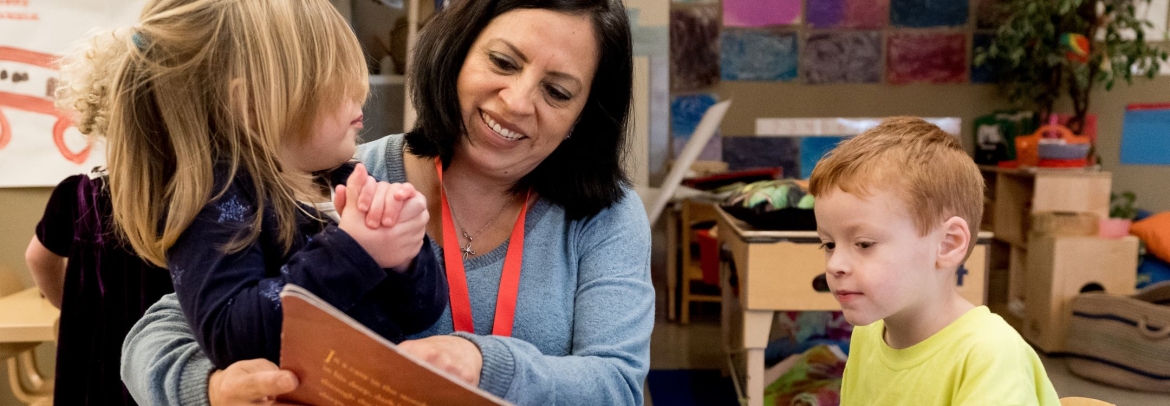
<point x="976" y="360"/>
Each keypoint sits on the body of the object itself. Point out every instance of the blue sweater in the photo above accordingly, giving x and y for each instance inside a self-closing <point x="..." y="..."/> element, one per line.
<point x="583" y="318"/>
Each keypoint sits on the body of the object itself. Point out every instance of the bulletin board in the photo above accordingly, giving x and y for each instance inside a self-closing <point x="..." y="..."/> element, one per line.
<point x="836" y="58"/>
<point x="39" y="146"/>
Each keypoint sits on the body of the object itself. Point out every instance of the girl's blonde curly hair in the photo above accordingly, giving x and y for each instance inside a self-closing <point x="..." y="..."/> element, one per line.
<point x="201" y="84"/>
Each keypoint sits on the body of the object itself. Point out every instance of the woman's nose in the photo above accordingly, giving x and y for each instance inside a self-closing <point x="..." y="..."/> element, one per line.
<point x="519" y="97"/>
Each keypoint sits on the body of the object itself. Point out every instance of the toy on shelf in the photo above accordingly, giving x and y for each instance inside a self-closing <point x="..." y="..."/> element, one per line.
<point x="1053" y="146"/>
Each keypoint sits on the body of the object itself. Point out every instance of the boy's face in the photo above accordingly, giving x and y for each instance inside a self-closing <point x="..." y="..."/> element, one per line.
<point x="876" y="262"/>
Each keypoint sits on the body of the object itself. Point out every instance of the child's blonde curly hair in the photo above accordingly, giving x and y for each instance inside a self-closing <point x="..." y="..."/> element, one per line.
<point x="203" y="83"/>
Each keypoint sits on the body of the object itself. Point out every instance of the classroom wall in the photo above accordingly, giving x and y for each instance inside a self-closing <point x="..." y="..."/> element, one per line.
<point x="753" y="100"/>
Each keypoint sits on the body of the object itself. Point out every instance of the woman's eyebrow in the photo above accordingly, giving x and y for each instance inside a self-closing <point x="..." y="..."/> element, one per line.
<point x="524" y="58"/>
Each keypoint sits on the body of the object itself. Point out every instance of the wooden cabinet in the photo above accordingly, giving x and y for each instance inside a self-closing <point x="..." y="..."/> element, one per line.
<point x="1061" y="268"/>
<point x="1043" y="272"/>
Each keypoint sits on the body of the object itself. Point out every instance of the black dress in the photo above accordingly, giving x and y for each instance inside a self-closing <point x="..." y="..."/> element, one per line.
<point x="107" y="289"/>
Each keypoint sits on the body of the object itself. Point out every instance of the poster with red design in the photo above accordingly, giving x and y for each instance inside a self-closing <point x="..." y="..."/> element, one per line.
<point x="39" y="145"/>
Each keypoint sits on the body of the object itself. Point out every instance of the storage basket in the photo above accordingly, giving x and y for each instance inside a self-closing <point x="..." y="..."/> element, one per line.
<point x="1122" y="340"/>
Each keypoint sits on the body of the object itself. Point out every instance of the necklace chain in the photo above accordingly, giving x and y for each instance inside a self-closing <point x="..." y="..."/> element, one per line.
<point x="467" y="251"/>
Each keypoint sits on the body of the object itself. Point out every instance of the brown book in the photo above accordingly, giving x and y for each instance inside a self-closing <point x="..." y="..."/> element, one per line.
<point x="341" y="362"/>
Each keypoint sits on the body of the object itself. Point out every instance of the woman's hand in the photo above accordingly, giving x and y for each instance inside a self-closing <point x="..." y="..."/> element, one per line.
<point x="453" y="354"/>
<point x="250" y="382"/>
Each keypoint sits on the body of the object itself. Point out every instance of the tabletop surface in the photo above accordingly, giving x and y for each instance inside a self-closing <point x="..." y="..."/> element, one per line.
<point x="25" y="316"/>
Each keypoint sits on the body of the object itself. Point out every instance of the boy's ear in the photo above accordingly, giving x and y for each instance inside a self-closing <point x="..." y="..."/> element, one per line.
<point x="952" y="250"/>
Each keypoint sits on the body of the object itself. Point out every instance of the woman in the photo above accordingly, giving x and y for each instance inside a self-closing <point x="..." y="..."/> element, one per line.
<point x="522" y="120"/>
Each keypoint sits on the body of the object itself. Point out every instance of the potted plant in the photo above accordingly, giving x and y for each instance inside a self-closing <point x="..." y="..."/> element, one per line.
<point x="1046" y="48"/>
<point x="1121" y="214"/>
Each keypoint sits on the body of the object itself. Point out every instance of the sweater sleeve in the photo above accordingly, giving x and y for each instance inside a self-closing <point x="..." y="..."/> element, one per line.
<point x="161" y="362"/>
<point x="613" y="316"/>
<point x="232" y="300"/>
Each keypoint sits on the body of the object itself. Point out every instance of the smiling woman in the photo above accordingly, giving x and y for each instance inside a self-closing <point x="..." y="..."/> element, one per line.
<point x="523" y="106"/>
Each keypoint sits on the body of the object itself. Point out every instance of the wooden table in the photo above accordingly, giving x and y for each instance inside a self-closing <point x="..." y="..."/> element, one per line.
<point x="26" y="321"/>
<point x="776" y="271"/>
<point x="25" y="316"/>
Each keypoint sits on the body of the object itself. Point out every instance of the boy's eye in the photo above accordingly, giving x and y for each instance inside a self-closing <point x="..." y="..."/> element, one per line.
<point x="828" y="246"/>
<point x="501" y="61"/>
<point x="864" y="244"/>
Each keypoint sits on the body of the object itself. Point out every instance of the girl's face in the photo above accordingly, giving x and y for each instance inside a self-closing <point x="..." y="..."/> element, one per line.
<point x="523" y="85"/>
<point x="333" y="139"/>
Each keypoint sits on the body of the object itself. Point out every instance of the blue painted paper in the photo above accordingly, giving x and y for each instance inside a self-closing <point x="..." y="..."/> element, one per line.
<point x="750" y="152"/>
<point x="758" y="55"/>
<point x="812" y="149"/>
<point x="928" y="13"/>
<point x="685" y="113"/>
<point x="1145" y="136"/>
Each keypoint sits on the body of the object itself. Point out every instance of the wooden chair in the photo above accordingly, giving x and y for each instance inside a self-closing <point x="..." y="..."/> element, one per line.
<point x="690" y="270"/>
<point x="1075" y="401"/>
<point x="27" y="383"/>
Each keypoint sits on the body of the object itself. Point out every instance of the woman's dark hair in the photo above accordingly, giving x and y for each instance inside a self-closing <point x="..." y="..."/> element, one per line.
<point x="584" y="174"/>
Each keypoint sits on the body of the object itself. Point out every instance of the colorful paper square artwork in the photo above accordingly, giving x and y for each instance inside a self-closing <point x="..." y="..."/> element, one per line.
<point x="759" y="55"/>
<point x="928" y="13"/>
<point x="812" y="149"/>
<point x="926" y="58"/>
<point x="749" y="152"/>
<point x="685" y="113"/>
<point x="843" y="57"/>
<point x="1145" y="135"/>
<point x="848" y="13"/>
<point x="761" y="13"/>
<point x="694" y="46"/>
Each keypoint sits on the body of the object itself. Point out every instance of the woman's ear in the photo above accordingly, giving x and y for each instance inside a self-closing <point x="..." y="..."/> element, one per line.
<point x="952" y="250"/>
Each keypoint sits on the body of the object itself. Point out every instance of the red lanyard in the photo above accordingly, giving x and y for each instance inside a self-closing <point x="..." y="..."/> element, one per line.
<point x="457" y="276"/>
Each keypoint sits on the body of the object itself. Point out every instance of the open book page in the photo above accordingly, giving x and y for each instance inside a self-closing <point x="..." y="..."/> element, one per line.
<point x="341" y="362"/>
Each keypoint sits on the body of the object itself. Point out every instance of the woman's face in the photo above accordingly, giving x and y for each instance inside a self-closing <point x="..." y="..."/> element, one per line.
<point x="522" y="87"/>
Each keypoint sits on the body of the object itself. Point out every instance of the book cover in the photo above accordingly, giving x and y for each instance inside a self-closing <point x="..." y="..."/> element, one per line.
<point x="341" y="362"/>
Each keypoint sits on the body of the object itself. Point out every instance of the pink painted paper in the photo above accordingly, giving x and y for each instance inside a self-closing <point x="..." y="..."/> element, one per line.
<point x="926" y="58"/>
<point x="760" y="13"/>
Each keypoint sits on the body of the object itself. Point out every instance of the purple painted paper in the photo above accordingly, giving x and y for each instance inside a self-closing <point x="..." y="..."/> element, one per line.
<point x="760" y="13"/>
<point x="848" y="13"/>
<point x="926" y="58"/>
<point x="843" y="57"/>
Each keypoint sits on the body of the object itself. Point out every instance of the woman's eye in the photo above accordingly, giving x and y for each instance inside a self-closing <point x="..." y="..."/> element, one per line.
<point x="557" y="93"/>
<point x="502" y="62"/>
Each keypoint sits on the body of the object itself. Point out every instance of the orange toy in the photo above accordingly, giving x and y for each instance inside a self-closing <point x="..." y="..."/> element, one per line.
<point x="1028" y="146"/>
